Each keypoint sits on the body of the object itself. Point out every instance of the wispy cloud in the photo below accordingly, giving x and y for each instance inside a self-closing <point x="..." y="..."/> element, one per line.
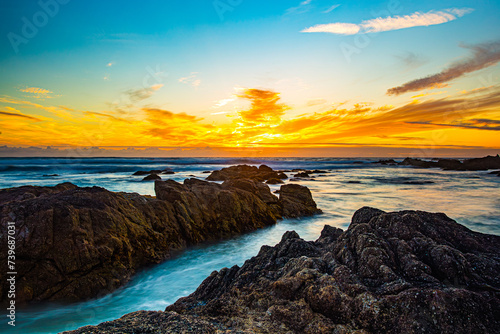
<point x="303" y="7"/>
<point x="35" y="90"/>
<point x="484" y="55"/>
<point x="11" y="114"/>
<point x="137" y="95"/>
<point x="192" y="80"/>
<point x="389" y="23"/>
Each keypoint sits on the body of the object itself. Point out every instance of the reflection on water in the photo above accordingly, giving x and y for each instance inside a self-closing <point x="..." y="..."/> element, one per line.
<point x="471" y="198"/>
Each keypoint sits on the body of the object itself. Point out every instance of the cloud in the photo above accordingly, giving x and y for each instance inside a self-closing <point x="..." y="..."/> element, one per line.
<point x="303" y="7"/>
<point x="315" y="102"/>
<point x="191" y="80"/>
<point x="137" y="95"/>
<point x="330" y="9"/>
<point x="478" y="124"/>
<point x="35" y="90"/>
<point x="11" y="114"/>
<point x="411" y="60"/>
<point x="484" y="55"/>
<point x="389" y="23"/>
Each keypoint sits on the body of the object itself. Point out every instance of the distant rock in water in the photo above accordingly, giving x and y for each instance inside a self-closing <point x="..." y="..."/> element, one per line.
<point x="385" y="162"/>
<point x="261" y="173"/>
<point x="143" y="172"/>
<point x="76" y="243"/>
<point x="274" y="181"/>
<point x="399" y="272"/>
<point x="489" y="162"/>
<point x="496" y="172"/>
<point x="154" y="171"/>
<point x="152" y="177"/>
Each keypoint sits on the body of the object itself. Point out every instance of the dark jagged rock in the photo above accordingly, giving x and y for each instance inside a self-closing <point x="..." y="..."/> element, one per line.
<point x="143" y="172"/>
<point x="260" y="174"/>
<point x="399" y="272"/>
<point x="274" y="181"/>
<point x="76" y="243"/>
<point x="297" y="201"/>
<point x="152" y="177"/>
<point x="496" y="172"/>
<point x="385" y="162"/>
<point x="489" y="162"/>
<point x="154" y="171"/>
<point x="418" y="163"/>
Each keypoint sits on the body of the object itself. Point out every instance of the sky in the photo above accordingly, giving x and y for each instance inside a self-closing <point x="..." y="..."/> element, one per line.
<point x="250" y="78"/>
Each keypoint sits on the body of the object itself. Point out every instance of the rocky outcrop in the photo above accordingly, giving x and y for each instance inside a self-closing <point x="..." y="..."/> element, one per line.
<point x="154" y="171"/>
<point x="152" y="177"/>
<point x="297" y="201"/>
<point x="399" y="272"/>
<point x="76" y="243"/>
<point x="489" y="162"/>
<point x="262" y="173"/>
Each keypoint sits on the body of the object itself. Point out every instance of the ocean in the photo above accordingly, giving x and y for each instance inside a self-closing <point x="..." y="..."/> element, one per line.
<point x="470" y="197"/>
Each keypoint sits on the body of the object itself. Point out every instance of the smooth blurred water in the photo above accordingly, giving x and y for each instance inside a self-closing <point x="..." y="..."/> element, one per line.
<point x="471" y="198"/>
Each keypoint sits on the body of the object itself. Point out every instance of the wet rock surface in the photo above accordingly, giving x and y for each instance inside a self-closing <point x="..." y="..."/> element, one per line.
<point x="75" y="243"/>
<point x="399" y="272"/>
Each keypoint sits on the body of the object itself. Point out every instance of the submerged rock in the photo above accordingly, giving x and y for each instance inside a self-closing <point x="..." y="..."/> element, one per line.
<point x="152" y="177"/>
<point x="399" y="272"/>
<point x="75" y="243"/>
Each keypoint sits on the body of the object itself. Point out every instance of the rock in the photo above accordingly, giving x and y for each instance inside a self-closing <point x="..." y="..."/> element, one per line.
<point x="496" y="172"/>
<point x="297" y="201"/>
<point x="260" y="174"/>
<point x="302" y="174"/>
<point x="274" y="181"/>
<point x="151" y="177"/>
<point x="489" y="162"/>
<point x="385" y="162"/>
<point x="449" y="164"/>
<point x="319" y="171"/>
<point x="168" y="172"/>
<point x="143" y="172"/>
<point x="398" y="272"/>
<point x="50" y="175"/>
<point x="77" y="243"/>
<point x="418" y="163"/>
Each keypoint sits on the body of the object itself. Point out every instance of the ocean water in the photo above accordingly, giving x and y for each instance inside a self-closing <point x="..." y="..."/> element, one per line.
<point x="471" y="198"/>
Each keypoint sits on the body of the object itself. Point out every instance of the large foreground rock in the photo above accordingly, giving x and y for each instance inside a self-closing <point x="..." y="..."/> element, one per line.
<point x="76" y="243"/>
<point x="399" y="272"/>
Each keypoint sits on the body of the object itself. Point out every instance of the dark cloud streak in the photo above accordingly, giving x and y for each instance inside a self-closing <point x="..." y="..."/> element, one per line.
<point x="484" y="55"/>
